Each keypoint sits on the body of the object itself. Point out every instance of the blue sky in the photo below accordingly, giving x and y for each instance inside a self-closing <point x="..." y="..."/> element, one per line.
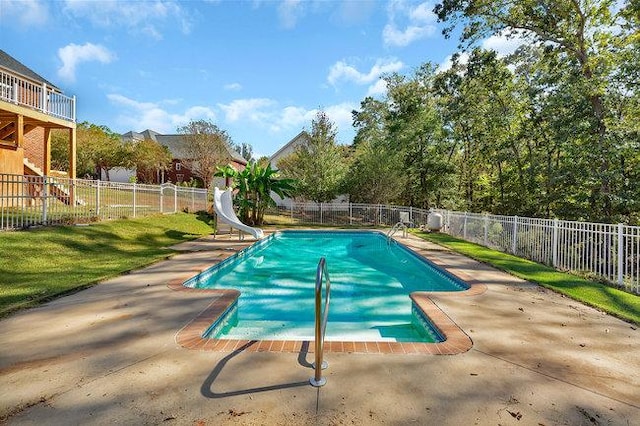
<point x="258" y="69"/>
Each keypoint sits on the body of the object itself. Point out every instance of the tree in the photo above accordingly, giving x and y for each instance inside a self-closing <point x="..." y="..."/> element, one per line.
<point x="149" y="158"/>
<point x="244" y="149"/>
<point x="587" y="39"/>
<point x="320" y="165"/>
<point x="204" y="149"/>
<point x="98" y="149"/>
<point x="480" y="108"/>
<point x="254" y="185"/>
<point x="376" y="173"/>
<point x="60" y="154"/>
<point x="415" y="129"/>
<point x="263" y="161"/>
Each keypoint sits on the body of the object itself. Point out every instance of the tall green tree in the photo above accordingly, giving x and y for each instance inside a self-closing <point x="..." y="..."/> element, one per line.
<point x="584" y="37"/>
<point x="320" y="165"/>
<point x="415" y="129"/>
<point x="482" y="112"/>
<point x="376" y="173"/>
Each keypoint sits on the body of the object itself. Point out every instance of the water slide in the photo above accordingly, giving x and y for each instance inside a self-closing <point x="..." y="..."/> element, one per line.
<point x="223" y="206"/>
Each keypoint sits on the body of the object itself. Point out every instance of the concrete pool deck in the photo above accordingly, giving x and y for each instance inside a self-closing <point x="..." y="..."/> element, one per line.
<point x="108" y="354"/>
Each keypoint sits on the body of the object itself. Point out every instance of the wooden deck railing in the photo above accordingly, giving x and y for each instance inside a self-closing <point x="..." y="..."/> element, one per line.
<point x="37" y="96"/>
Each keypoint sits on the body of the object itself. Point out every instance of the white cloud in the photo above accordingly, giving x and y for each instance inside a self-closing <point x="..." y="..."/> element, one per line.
<point x="296" y="118"/>
<point x="343" y="71"/>
<point x="341" y="115"/>
<point x="137" y="16"/>
<point x="137" y="115"/>
<point x="268" y="114"/>
<point x="378" y="88"/>
<point x="248" y="109"/>
<point x="292" y="117"/>
<point x="26" y="12"/>
<point x="463" y="58"/>
<point x="289" y="11"/>
<point x="418" y="22"/>
<point x="233" y="86"/>
<point x="73" y="54"/>
<point x="502" y="44"/>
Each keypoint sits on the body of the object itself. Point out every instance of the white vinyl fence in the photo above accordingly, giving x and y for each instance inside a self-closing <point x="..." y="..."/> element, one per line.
<point x="27" y="201"/>
<point x="603" y="251"/>
<point x="607" y="251"/>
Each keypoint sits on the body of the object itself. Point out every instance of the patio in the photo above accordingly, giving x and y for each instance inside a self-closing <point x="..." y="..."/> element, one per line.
<point x="109" y="354"/>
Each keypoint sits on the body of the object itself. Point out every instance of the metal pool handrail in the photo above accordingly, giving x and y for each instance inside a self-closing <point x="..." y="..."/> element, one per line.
<point x="321" y="325"/>
<point x="395" y="228"/>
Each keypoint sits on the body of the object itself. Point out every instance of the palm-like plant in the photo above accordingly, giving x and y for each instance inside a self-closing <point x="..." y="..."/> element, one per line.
<point x="254" y="185"/>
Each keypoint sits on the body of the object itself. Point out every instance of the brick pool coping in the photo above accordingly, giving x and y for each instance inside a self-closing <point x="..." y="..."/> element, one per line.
<point x="456" y="340"/>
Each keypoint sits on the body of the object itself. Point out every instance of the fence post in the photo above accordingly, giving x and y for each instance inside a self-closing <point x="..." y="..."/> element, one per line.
<point x="620" y="254"/>
<point x="193" y="200"/>
<point x="514" y="243"/>
<point x="291" y="208"/>
<point x="45" y="198"/>
<point x="320" y="213"/>
<point x="350" y="213"/>
<point x="410" y="213"/>
<point x="554" y="244"/>
<point x="380" y="214"/>
<point x="98" y="198"/>
<point x="175" y="198"/>
<point x="134" y="199"/>
<point x="464" y="227"/>
<point x="486" y="230"/>
<point x="161" y="199"/>
<point x="23" y="200"/>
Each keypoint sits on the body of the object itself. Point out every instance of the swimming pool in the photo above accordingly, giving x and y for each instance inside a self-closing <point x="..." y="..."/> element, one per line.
<point x="371" y="279"/>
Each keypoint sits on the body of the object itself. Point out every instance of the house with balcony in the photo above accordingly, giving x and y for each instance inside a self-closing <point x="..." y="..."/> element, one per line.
<point x="30" y="107"/>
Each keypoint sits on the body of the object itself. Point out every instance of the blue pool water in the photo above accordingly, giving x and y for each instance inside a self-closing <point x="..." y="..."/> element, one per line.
<point x="371" y="279"/>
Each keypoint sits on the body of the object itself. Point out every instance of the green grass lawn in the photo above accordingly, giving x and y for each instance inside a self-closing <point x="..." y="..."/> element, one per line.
<point x="38" y="264"/>
<point x="609" y="299"/>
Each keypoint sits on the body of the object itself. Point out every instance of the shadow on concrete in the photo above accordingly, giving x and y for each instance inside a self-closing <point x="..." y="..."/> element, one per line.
<point x="207" y="387"/>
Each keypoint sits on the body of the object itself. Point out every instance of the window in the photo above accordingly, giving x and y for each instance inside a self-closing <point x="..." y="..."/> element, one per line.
<point x="178" y="167"/>
<point x="180" y="178"/>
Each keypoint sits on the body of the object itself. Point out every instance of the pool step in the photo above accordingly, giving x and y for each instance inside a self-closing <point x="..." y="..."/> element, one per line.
<point x="348" y="331"/>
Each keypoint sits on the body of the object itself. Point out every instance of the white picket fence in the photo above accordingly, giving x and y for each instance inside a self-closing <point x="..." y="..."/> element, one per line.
<point x="606" y="251"/>
<point x="610" y="252"/>
<point x="27" y="201"/>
